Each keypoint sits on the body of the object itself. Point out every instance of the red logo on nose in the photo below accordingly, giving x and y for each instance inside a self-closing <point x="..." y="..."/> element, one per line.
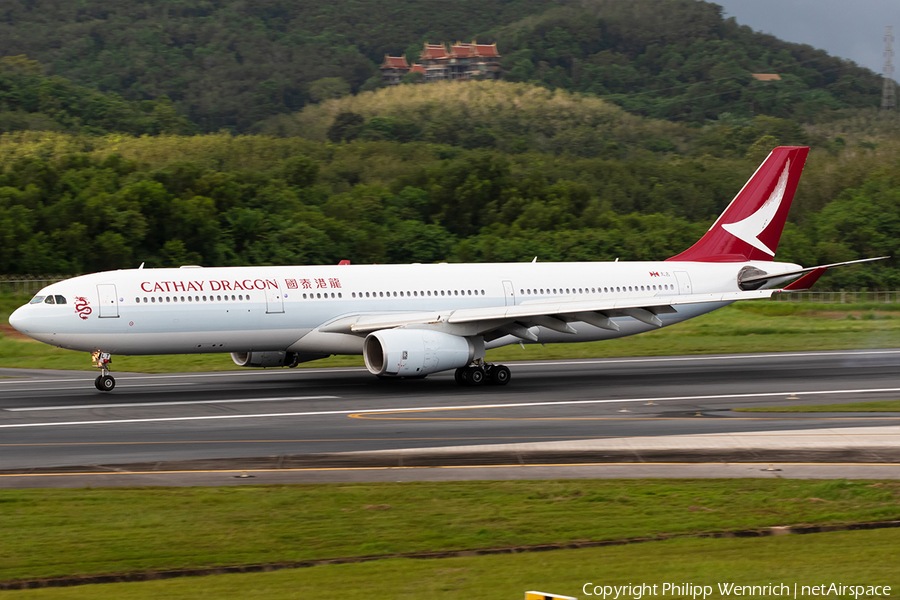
<point x="82" y="307"/>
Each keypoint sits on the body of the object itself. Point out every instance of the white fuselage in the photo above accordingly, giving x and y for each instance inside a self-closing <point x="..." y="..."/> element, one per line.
<point x="239" y="309"/>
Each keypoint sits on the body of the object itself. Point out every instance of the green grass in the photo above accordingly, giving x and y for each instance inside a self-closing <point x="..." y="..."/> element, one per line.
<point x="759" y="326"/>
<point x="882" y="406"/>
<point x="89" y="531"/>
<point x="849" y="558"/>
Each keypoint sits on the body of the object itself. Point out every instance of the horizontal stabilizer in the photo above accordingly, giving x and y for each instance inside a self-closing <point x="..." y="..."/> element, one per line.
<point x="768" y="276"/>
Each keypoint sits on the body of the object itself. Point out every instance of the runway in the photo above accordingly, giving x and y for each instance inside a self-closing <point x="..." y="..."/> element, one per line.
<point x="58" y="419"/>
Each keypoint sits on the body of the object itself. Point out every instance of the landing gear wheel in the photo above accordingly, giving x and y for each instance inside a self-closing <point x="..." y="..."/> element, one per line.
<point x="500" y="375"/>
<point x="105" y="383"/>
<point x="460" y="376"/>
<point x="474" y="376"/>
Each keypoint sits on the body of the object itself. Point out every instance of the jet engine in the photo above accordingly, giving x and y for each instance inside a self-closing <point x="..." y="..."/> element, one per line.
<point x="415" y="352"/>
<point x="272" y="358"/>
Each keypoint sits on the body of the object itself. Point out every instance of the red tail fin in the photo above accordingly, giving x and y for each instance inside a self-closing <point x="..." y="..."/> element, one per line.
<point x="751" y="226"/>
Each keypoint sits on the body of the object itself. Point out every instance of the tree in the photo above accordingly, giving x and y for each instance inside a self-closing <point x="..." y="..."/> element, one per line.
<point x="346" y="126"/>
<point x="328" y="88"/>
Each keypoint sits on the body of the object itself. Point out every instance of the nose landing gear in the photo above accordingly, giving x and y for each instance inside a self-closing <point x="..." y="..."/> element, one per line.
<point x="482" y="373"/>
<point x="105" y="381"/>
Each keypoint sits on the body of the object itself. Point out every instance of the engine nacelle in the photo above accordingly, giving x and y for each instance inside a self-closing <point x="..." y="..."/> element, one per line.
<point x="273" y="358"/>
<point x="415" y="352"/>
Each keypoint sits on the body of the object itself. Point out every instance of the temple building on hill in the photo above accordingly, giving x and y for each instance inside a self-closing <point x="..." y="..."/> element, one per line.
<point x="438" y="62"/>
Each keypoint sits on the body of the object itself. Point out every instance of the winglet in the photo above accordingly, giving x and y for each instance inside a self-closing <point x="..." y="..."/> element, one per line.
<point x="751" y="226"/>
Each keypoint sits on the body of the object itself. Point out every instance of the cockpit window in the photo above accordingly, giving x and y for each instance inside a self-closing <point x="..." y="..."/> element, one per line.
<point x="60" y="299"/>
<point x="37" y="300"/>
<point x="49" y="300"/>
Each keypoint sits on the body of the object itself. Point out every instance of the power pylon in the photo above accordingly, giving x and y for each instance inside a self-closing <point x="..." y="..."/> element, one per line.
<point x="888" y="99"/>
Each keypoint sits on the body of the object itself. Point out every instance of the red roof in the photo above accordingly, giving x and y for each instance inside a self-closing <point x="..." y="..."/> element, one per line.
<point x="460" y="50"/>
<point x="487" y="50"/>
<point x="394" y="62"/>
<point x="433" y="51"/>
<point x="417" y="68"/>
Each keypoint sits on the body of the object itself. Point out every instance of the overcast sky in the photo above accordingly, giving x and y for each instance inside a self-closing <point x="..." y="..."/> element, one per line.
<point x="851" y="29"/>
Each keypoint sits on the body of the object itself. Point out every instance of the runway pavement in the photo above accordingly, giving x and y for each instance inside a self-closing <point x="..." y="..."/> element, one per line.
<point x="57" y="420"/>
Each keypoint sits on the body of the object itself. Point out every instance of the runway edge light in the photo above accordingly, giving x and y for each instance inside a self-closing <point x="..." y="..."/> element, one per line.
<point x="545" y="596"/>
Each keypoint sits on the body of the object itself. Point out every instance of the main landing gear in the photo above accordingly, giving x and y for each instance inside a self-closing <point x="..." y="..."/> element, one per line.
<point x="482" y="373"/>
<point x="105" y="381"/>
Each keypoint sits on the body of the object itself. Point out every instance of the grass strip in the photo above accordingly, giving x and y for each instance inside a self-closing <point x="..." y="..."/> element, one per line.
<point x="744" y="327"/>
<point x="880" y="406"/>
<point x="49" y="533"/>
<point x="153" y="575"/>
<point x="860" y="557"/>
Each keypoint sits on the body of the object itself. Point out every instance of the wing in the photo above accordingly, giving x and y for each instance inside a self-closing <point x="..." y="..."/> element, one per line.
<point x="496" y="321"/>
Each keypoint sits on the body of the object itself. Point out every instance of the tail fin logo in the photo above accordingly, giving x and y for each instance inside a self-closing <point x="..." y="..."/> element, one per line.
<point x="748" y="230"/>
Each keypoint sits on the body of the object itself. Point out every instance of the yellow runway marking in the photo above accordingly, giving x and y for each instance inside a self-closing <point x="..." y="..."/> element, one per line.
<point x="518" y="466"/>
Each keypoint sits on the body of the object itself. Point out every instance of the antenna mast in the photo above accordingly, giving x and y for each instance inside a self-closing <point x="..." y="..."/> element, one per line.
<point x="888" y="100"/>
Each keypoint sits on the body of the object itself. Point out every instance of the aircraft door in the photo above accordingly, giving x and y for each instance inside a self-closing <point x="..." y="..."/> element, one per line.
<point x="509" y="293"/>
<point x="684" y="282"/>
<point x="274" y="300"/>
<point x="109" y="301"/>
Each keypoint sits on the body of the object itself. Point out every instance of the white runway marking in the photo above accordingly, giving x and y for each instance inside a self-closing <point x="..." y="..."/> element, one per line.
<point x="185" y="402"/>
<point x="699" y="358"/>
<point x="435" y="408"/>
<point x="511" y="364"/>
<point x="71" y="389"/>
<point x="126" y="378"/>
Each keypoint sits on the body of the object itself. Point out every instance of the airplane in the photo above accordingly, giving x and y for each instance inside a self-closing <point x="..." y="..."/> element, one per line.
<point x="410" y="321"/>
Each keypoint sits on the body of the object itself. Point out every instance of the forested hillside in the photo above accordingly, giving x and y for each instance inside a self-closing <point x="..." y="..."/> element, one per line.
<point x="632" y="126"/>
<point x="679" y="59"/>
<point x="31" y="101"/>
<point x="228" y="64"/>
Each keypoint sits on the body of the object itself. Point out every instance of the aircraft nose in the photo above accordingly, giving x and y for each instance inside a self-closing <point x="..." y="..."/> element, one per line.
<point x="19" y="320"/>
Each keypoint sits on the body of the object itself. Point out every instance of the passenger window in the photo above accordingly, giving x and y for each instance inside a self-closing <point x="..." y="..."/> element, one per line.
<point x="138" y="300"/>
<point x="49" y="300"/>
